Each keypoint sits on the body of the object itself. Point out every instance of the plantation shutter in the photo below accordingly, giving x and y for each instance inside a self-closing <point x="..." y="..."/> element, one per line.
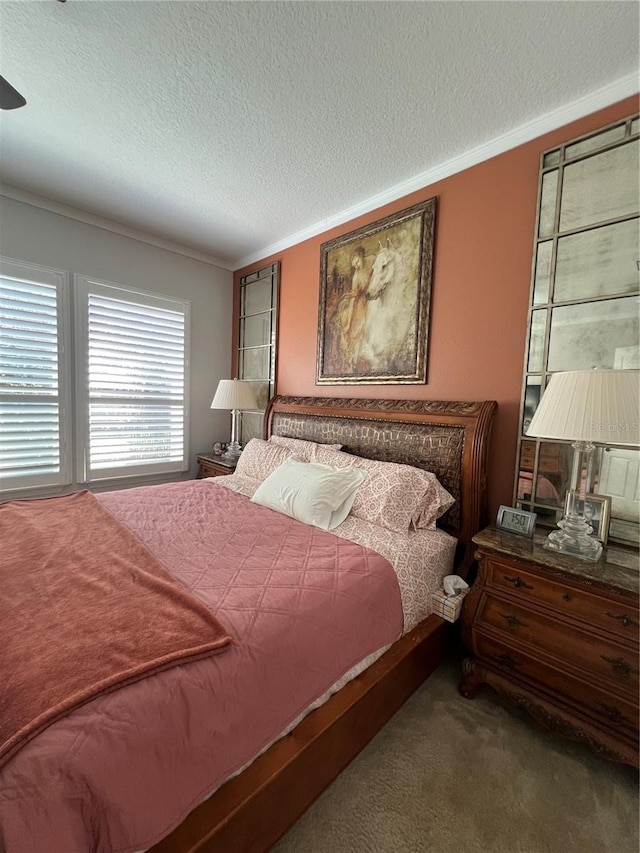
<point x="33" y="406"/>
<point x="134" y="384"/>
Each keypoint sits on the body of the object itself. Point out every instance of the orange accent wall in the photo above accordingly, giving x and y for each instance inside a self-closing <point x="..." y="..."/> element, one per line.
<point x="485" y="221"/>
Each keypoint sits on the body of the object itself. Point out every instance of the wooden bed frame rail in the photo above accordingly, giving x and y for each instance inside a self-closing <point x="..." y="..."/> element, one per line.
<point x="253" y="810"/>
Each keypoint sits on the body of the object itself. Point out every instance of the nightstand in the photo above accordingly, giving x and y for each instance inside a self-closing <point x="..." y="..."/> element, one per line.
<point x="213" y="466"/>
<point x="559" y="637"/>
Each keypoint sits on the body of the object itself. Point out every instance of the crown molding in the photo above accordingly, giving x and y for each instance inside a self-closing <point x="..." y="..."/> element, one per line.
<point x="622" y="88"/>
<point x="605" y="96"/>
<point x="62" y="209"/>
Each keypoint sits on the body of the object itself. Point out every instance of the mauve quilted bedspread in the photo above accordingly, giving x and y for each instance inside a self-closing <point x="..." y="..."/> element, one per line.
<point x="302" y="607"/>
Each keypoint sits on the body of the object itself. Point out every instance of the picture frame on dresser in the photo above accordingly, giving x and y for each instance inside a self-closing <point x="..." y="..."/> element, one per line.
<point x="597" y="511"/>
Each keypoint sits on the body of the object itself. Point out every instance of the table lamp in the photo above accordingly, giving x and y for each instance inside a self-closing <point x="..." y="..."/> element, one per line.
<point x="586" y="407"/>
<point x="235" y="395"/>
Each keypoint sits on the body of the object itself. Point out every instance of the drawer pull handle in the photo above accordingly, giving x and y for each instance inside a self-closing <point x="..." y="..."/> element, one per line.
<point x="506" y="660"/>
<point x="624" y="620"/>
<point x="619" y="665"/>
<point x="613" y="714"/>
<point x="513" y="621"/>
<point x="567" y="597"/>
<point x="517" y="582"/>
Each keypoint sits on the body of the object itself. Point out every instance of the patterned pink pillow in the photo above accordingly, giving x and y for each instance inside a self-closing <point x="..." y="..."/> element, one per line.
<point x="436" y="502"/>
<point x="304" y="450"/>
<point x="398" y="497"/>
<point x="260" y="458"/>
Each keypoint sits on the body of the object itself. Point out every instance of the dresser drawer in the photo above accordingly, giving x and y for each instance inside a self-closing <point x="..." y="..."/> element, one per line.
<point x="558" y="635"/>
<point x="210" y="468"/>
<point x="614" y="712"/>
<point x="605" y="659"/>
<point x="616" y="616"/>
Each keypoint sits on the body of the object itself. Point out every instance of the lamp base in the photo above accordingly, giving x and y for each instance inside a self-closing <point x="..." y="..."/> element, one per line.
<point x="574" y="539"/>
<point x="233" y="452"/>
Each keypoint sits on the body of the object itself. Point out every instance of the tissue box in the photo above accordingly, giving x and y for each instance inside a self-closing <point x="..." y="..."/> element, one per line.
<point x="448" y="608"/>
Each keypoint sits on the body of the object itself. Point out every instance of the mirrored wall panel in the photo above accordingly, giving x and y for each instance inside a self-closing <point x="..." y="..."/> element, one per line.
<point x="257" y="342"/>
<point x="584" y="313"/>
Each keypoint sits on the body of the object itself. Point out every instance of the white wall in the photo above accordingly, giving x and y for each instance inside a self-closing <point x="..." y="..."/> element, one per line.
<point x="29" y="233"/>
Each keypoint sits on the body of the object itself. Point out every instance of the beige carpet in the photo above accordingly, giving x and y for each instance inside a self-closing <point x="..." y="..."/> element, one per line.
<point x="450" y="774"/>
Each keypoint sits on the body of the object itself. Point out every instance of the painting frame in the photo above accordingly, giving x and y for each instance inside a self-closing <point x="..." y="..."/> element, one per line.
<point x="375" y="298"/>
<point x="598" y="514"/>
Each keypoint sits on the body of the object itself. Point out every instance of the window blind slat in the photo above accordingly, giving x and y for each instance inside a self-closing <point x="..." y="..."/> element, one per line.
<point x="27" y="337"/>
<point x="169" y="330"/>
<point x="30" y="372"/>
<point x="157" y="358"/>
<point x="41" y="438"/>
<point x="141" y="343"/>
<point x="25" y="470"/>
<point x="24" y="288"/>
<point x="30" y="455"/>
<point x="33" y="358"/>
<point x="11" y="306"/>
<point x="143" y="310"/>
<point x="26" y="345"/>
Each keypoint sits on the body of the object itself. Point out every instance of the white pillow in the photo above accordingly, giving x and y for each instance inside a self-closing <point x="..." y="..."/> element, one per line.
<point x="310" y="492"/>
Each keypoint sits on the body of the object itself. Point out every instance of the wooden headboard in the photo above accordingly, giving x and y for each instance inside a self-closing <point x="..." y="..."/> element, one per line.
<point x="449" y="438"/>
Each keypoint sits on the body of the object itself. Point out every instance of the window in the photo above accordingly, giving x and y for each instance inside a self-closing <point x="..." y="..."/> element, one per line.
<point x="257" y="342"/>
<point x="34" y="372"/>
<point x="131" y="382"/>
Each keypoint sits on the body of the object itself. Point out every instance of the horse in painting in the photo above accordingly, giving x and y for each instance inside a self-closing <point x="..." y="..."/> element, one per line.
<point x="388" y="343"/>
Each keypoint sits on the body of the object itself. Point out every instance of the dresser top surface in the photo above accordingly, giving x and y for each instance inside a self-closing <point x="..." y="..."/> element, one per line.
<point x="618" y="568"/>
<point x="217" y="460"/>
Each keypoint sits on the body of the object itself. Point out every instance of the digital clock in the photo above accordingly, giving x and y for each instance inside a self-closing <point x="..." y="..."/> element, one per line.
<point x="517" y="521"/>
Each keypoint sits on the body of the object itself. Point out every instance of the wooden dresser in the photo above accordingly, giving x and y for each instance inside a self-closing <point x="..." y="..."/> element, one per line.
<point x="213" y="466"/>
<point x="558" y="636"/>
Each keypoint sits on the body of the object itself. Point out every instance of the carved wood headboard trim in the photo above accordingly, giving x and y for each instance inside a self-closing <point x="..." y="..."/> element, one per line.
<point x="449" y="438"/>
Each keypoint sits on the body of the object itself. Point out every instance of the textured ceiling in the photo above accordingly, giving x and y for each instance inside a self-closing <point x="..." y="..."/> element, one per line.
<point x="227" y="127"/>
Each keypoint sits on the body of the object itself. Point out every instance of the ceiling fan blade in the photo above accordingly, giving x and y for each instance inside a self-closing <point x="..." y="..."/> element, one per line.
<point x="10" y="98"/>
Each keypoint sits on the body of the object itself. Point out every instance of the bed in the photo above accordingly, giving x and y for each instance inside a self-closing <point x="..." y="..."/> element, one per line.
<point x="262" y="796"/>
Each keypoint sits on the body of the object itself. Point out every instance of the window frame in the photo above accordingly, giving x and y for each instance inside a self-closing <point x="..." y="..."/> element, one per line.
<point x="84" y="285"/>
<point x="19" y="270"/>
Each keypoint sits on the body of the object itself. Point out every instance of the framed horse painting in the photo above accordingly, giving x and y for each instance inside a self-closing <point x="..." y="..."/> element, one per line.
<point x="375" y="291"/>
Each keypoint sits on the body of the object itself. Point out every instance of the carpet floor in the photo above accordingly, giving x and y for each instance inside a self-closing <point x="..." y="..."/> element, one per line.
<point x="471" y="776"/>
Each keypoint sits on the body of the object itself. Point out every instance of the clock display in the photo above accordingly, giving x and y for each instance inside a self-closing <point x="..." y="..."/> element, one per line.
<point x="516" y="521"/>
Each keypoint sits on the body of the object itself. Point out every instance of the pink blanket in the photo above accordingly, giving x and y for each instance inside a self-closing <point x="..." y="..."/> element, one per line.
<point x="302" y="607"/>
<point x="90" y="610"/>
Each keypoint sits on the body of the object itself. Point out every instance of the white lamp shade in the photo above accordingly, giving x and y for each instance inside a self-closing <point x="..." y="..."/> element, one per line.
<point x="234" y="394"/>
<point x="597" y="406"/>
